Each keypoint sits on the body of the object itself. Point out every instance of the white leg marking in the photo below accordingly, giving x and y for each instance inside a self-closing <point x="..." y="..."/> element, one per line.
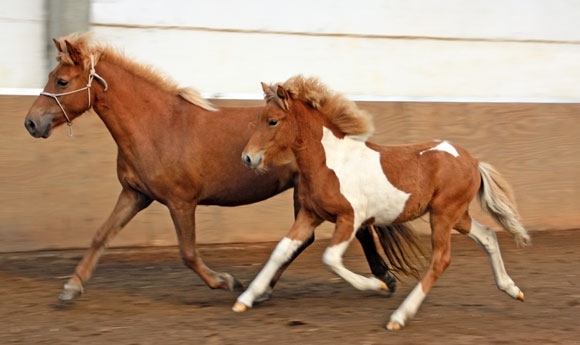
<point x="333" y="259"/>
<point x="488" y="240"/>
<point x="445" y="147"/>
<point x="281" y="254"/>
<point x="410" y="305"/>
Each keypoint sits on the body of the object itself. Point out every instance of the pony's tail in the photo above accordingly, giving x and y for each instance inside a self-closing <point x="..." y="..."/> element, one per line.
<point x="496" y="197"/>
<point x="402" y="248"/>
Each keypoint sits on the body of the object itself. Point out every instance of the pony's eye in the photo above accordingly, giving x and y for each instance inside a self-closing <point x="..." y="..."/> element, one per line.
<point x="61" y="82"/>
<point x="272" y="123"/>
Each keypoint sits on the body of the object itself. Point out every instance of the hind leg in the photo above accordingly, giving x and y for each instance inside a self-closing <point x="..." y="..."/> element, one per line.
<point x="441" y="225"/>
<point x="487" y="239"/>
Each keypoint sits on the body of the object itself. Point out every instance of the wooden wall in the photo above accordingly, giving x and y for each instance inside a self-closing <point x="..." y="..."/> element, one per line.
<point x="56" y="192"/>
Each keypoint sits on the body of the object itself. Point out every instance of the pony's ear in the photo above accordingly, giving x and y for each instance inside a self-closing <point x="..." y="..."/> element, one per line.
<point x="266" y="88"/>
<point x="283" y="96"/>
<point x="57" y="45"/>
<point x="268" y="93"/>
<point x="73" y="52"/>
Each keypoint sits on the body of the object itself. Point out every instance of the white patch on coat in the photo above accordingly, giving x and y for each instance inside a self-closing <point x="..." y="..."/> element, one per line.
<point x="362" y="180"/>
<point x="445" y="147"/>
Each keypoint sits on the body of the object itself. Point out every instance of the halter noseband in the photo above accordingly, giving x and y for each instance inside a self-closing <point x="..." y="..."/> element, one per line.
<point x="92" y="74"/>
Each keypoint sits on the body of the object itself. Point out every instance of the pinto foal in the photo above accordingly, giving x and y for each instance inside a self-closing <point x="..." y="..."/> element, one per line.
<point x="349" y="181"/>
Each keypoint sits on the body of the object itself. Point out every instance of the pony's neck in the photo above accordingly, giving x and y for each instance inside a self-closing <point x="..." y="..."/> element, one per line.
<point x="131" y="103"/>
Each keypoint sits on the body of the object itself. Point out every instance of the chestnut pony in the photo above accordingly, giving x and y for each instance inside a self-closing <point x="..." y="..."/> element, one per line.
<point x="173" y="147"/>
<point x="347" y="180"/>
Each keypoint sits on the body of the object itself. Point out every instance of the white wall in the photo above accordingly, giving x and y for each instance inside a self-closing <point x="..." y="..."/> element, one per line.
<point x="513" y="50"/>
<point x="22" y="43"/>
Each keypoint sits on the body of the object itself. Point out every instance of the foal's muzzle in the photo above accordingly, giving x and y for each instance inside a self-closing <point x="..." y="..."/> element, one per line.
<point x="252" y="162"/>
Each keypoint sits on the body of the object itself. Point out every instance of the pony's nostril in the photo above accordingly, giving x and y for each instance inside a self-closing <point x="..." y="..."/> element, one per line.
<point x="30" y="126"/>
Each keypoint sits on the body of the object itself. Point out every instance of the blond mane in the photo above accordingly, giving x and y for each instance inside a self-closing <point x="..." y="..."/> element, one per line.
<point x="342" y="112"/>
<point x="85" y="44"/>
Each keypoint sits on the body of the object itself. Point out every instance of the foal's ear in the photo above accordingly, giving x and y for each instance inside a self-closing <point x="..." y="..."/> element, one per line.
<point x="283" y="96"/>
<point x="57" y="45"/>
<point x="73" y="52"/>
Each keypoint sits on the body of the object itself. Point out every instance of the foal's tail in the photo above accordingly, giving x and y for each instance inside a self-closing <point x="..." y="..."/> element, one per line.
<point x="496" y="197"/>
<point x="403" y="248"/>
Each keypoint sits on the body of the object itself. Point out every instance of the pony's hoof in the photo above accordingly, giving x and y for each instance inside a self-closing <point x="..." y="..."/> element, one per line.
<point x="520" y="296"/>
<point x="394" y="326"/>
<point x="240" y="307"/>
<point x="232" y="283"/>
<point x="69" y="293"/>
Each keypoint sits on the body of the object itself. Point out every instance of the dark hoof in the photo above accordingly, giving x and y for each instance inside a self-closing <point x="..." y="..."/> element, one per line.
<point x="232" y="283"/>
<point x="391" y="282"/>
<point x="237" y="285"/>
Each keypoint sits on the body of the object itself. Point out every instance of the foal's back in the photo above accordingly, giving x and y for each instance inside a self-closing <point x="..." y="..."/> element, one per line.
<point x="429" y="171"/>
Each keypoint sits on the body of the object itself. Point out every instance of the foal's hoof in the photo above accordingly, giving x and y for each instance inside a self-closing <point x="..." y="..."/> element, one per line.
<point x="520" y="296"/>
<point x="388" y="283"/>
<point x="264" y="296"/>
<point x="391" y="282"/>
<point x="70" y="292"/>
<point x="240" y="307"/>
<point x="394" y="326"/>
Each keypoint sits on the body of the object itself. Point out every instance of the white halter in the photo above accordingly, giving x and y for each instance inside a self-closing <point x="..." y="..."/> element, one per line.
<point x="92" y="74"/>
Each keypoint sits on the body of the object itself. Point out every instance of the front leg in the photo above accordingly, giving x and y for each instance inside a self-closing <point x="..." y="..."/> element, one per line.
<point x="376" y="263"/>
<point x="184" y="220"/>
<point x="128" y="205"/>
<point x="285" y="251"/>
<point x="332" y="257"/>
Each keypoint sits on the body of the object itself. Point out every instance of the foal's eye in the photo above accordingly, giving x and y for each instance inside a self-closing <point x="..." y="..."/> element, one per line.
<point x="272" y="123"/>
<point x="61" y="82"/>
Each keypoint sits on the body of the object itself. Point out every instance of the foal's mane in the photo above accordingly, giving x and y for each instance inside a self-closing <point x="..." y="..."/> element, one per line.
<point x="342" y="112"/>
<point x="85" y="44"/>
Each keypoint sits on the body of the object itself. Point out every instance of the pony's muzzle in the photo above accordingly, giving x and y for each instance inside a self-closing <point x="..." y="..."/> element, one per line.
<point x="40" y="128"/>
<point x="251" y="162"/>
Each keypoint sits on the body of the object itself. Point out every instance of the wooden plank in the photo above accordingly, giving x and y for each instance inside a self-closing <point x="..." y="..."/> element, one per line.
<point x="56" y="192"/>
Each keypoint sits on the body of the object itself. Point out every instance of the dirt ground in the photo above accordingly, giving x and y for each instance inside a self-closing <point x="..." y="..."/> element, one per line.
<point x="146" y="296"/>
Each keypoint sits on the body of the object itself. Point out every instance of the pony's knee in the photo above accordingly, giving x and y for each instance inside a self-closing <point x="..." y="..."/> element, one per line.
<point x="189" y="258"/>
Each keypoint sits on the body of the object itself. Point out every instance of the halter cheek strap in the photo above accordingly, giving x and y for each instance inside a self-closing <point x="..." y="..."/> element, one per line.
<point x="92" y="74"/>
